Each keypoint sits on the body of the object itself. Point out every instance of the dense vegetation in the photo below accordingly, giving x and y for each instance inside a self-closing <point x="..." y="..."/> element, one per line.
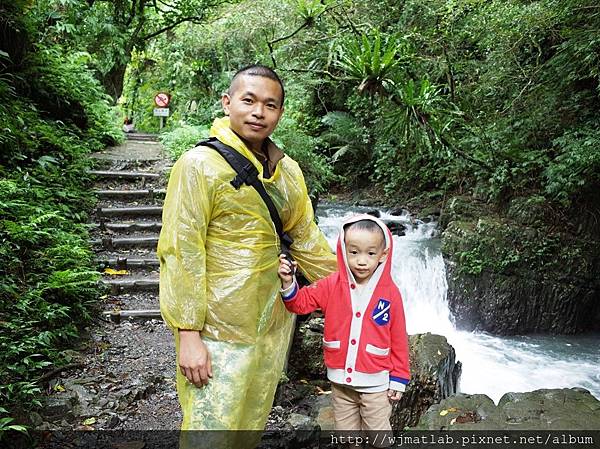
<point x="491" y="101"/>
<point x="53" y="113"/>
<point x="496" y="99"/>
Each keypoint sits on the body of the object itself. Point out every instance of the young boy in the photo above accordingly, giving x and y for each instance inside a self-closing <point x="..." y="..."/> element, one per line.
<point x="364" y="343"/>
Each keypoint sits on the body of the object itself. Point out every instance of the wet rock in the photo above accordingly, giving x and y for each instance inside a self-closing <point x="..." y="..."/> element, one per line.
<point x="396" y="228"/>
<point x="431" y="211"/>
<point x="324" y="413"/>
<point x="302" y="422"/>
<point x="36" y="419"/>
<point x="546" y="409"/>
<point x="306" y="357"/>
<point x="434" y="376"/>
<point x="399" y="211"/>
<point x="113" y="422"/>
<point x="57" y="407"/>
<point x="374" y="213"/>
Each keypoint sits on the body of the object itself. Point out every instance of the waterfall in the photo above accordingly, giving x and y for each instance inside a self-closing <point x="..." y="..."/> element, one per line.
<point x="491" y="365"/>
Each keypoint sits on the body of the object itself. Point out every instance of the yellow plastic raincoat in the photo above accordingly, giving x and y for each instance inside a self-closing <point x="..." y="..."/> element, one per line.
<point x="218" y="253"/>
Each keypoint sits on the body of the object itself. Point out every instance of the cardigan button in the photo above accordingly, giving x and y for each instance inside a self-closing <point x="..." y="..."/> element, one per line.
<point x="352" y="286"/>
<point x="348" y="379"/>
<point x="357" y="314"/>
<point x="349" y="370"/>
<point x="353" y="341"/>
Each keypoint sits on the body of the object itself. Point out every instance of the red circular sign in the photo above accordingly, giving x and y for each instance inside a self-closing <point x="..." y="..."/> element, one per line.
<point x="161" y="100"/>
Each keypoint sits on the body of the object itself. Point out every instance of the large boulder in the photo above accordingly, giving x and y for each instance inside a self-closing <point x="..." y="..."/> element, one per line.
<point x="434" y="376"/>
<point x="546" y="409"/>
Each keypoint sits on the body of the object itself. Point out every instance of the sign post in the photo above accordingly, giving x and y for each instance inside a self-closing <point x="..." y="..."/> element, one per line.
<point x="161" y="100"/>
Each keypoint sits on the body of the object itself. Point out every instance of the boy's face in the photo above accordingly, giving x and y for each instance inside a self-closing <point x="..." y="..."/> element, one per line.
<point x="365" y="250"/>
<point x="254" y="107"/>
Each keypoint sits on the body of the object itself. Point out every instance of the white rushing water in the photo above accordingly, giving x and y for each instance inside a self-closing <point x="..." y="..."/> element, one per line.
<point x="490" y="365"/>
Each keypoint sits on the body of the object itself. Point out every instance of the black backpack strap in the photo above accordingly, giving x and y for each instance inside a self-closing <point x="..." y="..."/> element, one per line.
<point x="248" y="174"/>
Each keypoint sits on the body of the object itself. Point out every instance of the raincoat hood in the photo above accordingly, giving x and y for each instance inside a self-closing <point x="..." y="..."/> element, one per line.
<point x="383" y="271"/>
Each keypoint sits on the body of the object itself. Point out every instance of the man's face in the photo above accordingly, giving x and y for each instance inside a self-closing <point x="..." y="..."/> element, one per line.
<point x="254" y="107"/>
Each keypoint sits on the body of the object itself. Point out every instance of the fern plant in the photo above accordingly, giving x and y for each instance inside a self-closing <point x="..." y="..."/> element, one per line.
<point x="371" y="60"/>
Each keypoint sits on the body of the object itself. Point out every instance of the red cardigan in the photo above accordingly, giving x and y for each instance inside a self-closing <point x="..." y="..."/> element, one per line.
<point x="364" y="342"/>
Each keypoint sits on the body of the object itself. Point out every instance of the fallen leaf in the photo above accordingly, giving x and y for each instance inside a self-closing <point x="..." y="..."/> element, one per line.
<point x="439" y="353"/>
<point x="58" y="387"/>
<point x="89" y="421"/>
<point x="112" y="271"/>
<point x="443" y="412"/>
<point x="453" y="421"/>
<point x="452" y="409"/>
<point x="303" y="381"/>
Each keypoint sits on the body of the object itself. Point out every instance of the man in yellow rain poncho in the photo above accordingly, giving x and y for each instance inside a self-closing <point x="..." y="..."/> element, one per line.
<point x="218" y="250"/>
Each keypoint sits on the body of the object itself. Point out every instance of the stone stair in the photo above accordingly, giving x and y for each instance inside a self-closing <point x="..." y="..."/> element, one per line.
<point x="130" y="186"/>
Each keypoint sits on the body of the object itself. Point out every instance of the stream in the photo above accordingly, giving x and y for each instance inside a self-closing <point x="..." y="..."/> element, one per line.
<point x="492" y="365"/>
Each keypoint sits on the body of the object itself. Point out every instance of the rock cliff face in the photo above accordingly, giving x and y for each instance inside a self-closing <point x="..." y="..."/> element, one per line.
<point x="513" y="273"/>
<point x="572" y="409"/>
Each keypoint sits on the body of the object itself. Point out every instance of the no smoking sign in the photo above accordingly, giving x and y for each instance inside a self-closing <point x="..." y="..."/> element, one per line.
<point x="161" y="100"/>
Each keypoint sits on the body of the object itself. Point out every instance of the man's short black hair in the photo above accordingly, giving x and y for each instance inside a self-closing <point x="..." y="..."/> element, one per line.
<point x="259" y="70"/>
<point x="366" y="225"/>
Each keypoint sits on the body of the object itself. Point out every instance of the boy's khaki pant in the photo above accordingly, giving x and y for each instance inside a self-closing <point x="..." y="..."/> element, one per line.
<point x="367" y="412"/>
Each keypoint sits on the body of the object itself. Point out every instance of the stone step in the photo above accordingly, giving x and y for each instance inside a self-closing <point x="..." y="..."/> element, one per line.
<point x="110" y="244"/>
<point x="142" y="136"/>
<point x="116" y="316"/>
<point x="129" y="284"/>
<point x="128" y="211"/>
<point x="130" y="194"/>
<point x="152" y="226"/>
<point x="122" y="174"/>
<point x="126" y="263"/>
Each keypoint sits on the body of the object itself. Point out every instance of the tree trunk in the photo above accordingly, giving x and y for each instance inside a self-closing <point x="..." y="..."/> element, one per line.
<point x="113" y="80"/>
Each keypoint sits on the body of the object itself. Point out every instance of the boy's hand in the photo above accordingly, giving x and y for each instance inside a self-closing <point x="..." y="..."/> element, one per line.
<point x="394" y="395"/>
<point x="286" y="271"/>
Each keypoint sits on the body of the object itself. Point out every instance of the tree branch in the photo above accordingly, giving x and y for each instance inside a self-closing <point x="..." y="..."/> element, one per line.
<point x="194" y="19"/>
<point x="131" y="13"/>
<point x="292" y="34"/>
<point x="49" y="375"/>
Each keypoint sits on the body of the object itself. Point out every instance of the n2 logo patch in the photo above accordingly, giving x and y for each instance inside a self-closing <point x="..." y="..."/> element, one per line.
<point x="381" y="312"/>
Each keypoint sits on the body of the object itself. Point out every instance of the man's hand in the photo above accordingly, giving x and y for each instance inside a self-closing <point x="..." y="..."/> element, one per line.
<point x="286" y="271"/>
<point x="194" y="358"/>
<point x="394" y="395"/>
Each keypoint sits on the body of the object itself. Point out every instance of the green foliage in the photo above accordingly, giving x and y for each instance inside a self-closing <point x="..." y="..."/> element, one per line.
<point x="303" y="149"/>
<point x="348" y="141"/>
<point x="310" y="9"/>
<point x="371" y="60"/>
<point x="576" y="168"/>
<point x="53" y="113"/>
<point x="494" y="244"/>
<point x="182" y="138"/>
